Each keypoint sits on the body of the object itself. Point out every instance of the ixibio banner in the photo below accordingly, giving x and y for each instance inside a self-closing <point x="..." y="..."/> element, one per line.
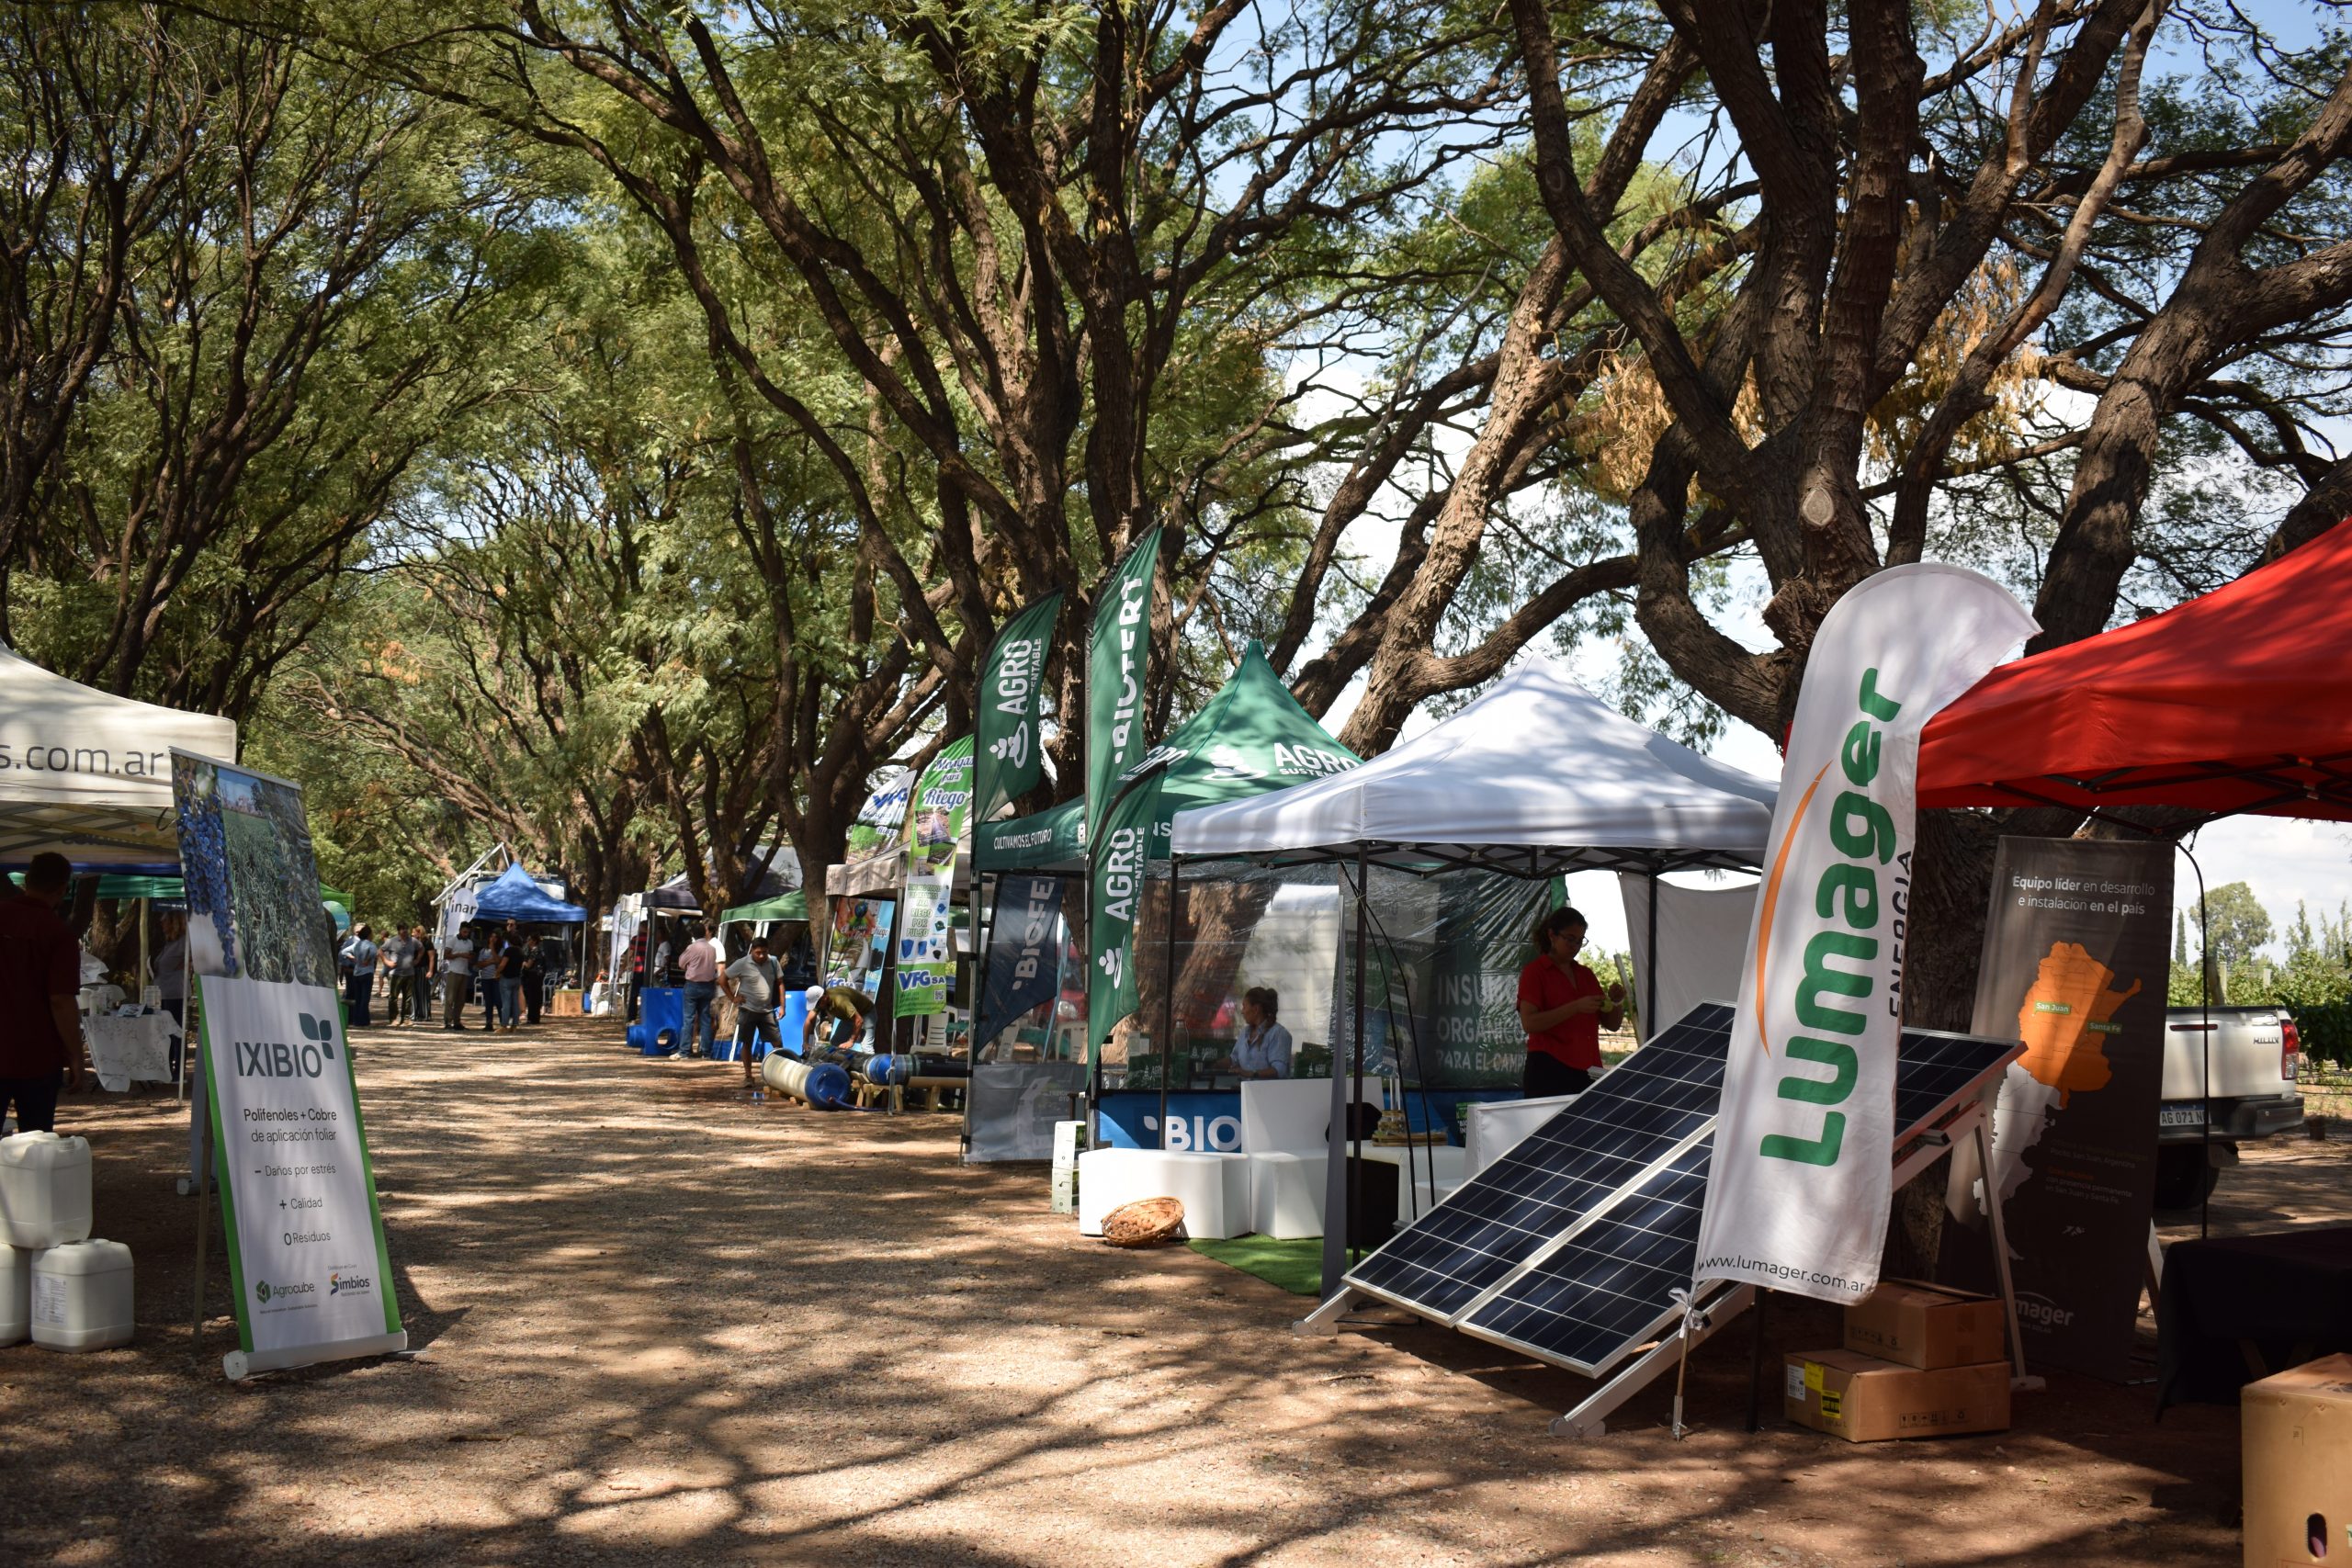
<point x="307" y="1261"/>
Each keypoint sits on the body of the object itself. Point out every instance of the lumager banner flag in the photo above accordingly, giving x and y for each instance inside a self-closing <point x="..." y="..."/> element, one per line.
<point x="1006" y="762"/>
<point x="306" y="1260"/>
<point x="1118" y="668"/>
<point x="1803" y="1160"/>
<point x="2075" y="965"/>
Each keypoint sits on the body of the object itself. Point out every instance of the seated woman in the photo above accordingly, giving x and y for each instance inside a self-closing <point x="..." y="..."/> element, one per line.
<point x="1263" y="1050"/>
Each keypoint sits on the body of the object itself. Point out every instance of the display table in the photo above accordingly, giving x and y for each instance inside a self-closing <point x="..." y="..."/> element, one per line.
<point x="124" y="1049"/>
<point x="2236" y="1309"/>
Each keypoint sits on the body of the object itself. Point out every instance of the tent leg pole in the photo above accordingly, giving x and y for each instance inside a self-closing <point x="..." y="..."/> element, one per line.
<point x="1649" y="981"/>
<point x="1355" y="1140"/>
<point x="1168" y="1009"/>
<point x="975" y="984"/>
<point x="203" y="1199"/>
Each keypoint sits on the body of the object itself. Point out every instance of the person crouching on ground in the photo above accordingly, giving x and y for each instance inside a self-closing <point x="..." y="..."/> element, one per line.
<point x="1563" y="1006"/>
<point x="753" y="985"/>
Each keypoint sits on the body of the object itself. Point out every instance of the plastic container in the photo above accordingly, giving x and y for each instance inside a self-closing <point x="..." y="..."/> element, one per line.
<point x="16" y="1293"/>
<point x="44" y="1190"/>
<point x="82" y="1296"/>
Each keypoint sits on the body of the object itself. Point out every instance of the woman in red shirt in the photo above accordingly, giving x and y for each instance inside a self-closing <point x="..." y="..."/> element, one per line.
<point x="1562" y="1006"/>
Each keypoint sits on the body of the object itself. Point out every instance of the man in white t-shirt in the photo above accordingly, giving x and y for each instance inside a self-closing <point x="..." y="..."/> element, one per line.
<point x="456" y="977"/>
<point x="754" y="985"/>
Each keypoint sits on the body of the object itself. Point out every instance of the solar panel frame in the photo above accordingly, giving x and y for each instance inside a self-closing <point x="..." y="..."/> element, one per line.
<point x="1639" y="1115"/>
<point x="1941" y="1078"/>
<point x="1663" y="1219"/>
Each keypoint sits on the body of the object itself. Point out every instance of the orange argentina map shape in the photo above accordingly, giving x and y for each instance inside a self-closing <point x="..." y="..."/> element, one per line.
<point x="2070" y="1008"/>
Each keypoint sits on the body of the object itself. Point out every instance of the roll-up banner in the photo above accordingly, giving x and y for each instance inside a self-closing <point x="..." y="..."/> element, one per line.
<point x="1025" y="953"/>
<point x="1006" y="762"/>
<point x="942" y="796"/>
<point x="307" y="1266"/>
<point x="2075" y="965"/>
<point x="1803" y="1160"/>
<point x="1118" y="668"/>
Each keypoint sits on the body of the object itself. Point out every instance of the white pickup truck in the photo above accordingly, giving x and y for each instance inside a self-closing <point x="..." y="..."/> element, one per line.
<point x="2233" y="1067"/>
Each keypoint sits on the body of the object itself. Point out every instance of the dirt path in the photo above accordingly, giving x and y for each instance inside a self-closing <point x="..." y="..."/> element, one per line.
<point x="661" y="1322"/>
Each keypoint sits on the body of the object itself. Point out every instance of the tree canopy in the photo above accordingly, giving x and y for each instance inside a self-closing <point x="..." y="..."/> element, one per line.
<point x="619" y="429"/>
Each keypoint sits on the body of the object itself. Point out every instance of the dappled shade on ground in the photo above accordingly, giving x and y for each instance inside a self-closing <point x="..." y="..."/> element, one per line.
<point x="661" y="1319"/>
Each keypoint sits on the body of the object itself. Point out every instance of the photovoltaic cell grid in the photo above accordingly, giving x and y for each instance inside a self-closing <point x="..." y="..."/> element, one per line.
<point x="1574" y="1163"/>
<point x="1603" y="1292"/>
<point x="1610" y="1286"/>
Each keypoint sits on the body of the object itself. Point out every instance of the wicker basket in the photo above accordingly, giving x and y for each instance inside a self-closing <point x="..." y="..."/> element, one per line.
<point x="1146" y="1223"/>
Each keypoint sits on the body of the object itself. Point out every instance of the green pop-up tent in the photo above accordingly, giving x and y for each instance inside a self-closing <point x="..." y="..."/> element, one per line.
<point x="1052" y="841"/>
<point x="1252" y="738"/>
<point x="792" y="905"/>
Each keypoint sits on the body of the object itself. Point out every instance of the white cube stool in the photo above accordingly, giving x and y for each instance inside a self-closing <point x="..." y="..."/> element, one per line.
<point x="1283" y="1124"/>
<point x="1213" y="1188"/>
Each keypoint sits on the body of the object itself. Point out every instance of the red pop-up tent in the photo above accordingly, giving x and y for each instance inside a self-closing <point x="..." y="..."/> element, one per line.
<point x="2240" y="700"/>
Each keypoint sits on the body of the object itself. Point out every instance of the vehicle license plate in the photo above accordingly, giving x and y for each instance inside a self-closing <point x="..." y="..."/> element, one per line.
<point x="2190" y="1115"/>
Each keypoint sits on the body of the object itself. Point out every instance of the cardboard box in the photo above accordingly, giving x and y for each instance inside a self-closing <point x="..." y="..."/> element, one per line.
<point x="1865" y="1400"/>
<point x="2298" y="1455"/>
<point x="1925" y="1325"/>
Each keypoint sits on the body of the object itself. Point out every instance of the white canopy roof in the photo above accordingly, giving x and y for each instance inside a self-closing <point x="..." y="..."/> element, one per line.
<point x="89" y="774"/>
<point x="1537" y="776"/>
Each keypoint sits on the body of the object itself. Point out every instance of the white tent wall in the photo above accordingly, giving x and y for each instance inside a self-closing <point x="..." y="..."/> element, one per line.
<point x="1701" y="939"/>
<point x="89" y="774"/>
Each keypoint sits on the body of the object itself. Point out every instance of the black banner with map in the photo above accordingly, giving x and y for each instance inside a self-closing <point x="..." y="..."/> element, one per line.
<point x="2075" y="963"/>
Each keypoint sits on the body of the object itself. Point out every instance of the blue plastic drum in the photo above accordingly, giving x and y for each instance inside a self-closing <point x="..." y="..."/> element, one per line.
<point x="828" y="1087"/>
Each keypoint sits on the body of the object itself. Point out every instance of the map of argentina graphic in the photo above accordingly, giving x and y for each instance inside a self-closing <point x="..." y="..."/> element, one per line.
<point x="2065" y="1018"/>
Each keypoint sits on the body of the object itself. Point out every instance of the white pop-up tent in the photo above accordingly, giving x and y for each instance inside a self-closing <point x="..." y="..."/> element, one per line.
<point x="1536" y="777"/>
<point x="89" y="774"/>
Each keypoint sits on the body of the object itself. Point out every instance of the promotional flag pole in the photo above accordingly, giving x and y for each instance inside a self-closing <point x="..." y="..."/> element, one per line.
<point x="1168" y="1009"/>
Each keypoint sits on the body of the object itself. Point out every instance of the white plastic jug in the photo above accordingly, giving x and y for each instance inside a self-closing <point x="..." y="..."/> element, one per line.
<point x="44" y="1190"/>
<point x="82" y="1296"/>
<point x="16" y="1293"/>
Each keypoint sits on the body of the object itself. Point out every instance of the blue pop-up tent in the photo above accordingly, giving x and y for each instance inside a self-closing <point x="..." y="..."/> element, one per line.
<point x="515" y="897"/>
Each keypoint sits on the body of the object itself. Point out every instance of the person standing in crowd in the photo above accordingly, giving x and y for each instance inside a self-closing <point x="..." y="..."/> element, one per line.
<point x="360" y="984"/>
<point x="487" y="958"/>
<point x="534" y="970"/>
<point x="753" y="984"/>
<point x="1563" y="1006"/>
<point x="636" y="972"/>
<point x="456" y="977"/>
<point x="510" y="978"/>
<point x="660" y="974"/>
<point x="1263" y="1050"/>
<point x="421" y="978"/>
<point x="40" y="979"/>
<point x="171" y="978"/>
<point x="400" y="977"/>
<point x="700" y="963"/>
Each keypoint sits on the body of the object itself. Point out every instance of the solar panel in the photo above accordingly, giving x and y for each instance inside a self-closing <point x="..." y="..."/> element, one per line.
<point x="1590" y="1292"/>
<point x="1935" y="1070"/>
<point x="1633" y="1117"/>
<point x="1599" y="1296"/>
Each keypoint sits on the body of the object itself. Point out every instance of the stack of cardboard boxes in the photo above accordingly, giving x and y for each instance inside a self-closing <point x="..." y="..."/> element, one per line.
<point x="1919" y="1361"/>
<point x="2298" y="1457"/>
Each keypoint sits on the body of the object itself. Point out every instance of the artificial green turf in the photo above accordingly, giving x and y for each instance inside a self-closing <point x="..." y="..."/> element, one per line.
<point x="1295" y="1266"/>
